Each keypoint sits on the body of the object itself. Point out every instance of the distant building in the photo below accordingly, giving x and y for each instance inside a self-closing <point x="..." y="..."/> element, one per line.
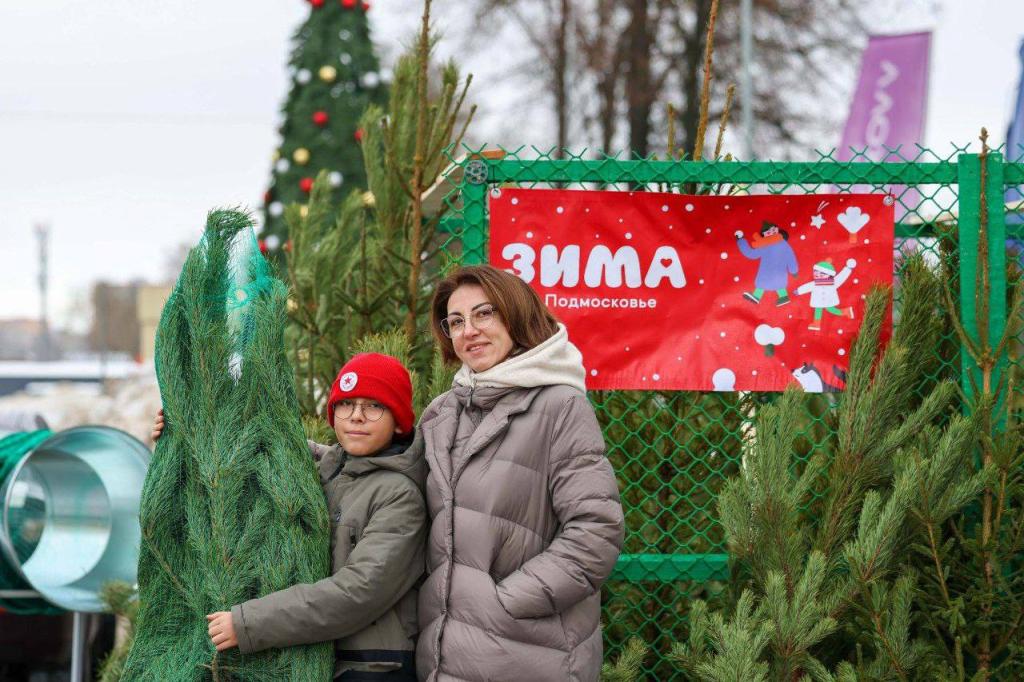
<point x="18" y="338"/>
<point x="21" y="339"/>
<point x="149" y="303"/>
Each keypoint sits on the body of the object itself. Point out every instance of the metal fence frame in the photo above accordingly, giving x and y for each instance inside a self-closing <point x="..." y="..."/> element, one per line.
<point x="475" y="171"/>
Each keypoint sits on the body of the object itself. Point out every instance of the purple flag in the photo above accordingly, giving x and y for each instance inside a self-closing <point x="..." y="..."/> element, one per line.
<point x="889" y="104"/>
<point x="888" y="107"/>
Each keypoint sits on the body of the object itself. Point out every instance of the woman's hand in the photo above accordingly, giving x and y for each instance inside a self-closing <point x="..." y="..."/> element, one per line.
<point x="222" y="630"/>
<point x="158" y="425"/>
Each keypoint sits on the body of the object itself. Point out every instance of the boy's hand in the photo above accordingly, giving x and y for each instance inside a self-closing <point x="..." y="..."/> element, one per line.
<point x="158" y="425"/>
<point x="222" y="630"/>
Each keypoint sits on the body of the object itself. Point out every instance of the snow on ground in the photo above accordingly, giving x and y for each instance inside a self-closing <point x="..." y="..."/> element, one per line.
<point x="128" y="403"/>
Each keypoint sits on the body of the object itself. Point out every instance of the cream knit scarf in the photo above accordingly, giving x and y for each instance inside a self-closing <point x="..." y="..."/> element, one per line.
<point x="554" y="361"/>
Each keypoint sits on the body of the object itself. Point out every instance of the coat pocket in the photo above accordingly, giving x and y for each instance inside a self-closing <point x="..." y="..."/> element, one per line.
<point x="343" y="540"/>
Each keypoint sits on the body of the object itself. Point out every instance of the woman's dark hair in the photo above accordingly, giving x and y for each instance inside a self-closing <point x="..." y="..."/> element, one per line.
<point x="528" y="321"/>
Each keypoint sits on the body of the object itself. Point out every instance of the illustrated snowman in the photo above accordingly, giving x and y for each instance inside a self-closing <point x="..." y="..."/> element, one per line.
<point x="824" y="290"/>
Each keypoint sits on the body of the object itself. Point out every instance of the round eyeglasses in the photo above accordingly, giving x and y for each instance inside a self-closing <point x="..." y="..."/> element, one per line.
<point x="481" y="318"/>
<point x="371" y="411"/>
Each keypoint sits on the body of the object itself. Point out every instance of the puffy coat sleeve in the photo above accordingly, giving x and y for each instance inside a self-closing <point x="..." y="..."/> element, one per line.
<point x="379" y="571"/>
<point x="318" y="450"/>
<point x="585" y="496"/>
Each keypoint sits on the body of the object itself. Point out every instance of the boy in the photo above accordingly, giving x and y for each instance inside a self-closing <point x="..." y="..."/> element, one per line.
<point x="373" y="483"/>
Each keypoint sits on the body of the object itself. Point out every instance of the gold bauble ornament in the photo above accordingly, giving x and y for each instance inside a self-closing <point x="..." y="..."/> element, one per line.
<point x="369" y="201"/>
<point x="303" y="210"/>
<point x="327" y="73"/>
<point x="301" y="156"/>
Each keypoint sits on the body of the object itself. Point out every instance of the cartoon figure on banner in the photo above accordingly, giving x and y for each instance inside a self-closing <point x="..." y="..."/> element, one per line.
<point x="771" y="247"/>
<point x="824" y="290"/>
<point x="811" y="380"/>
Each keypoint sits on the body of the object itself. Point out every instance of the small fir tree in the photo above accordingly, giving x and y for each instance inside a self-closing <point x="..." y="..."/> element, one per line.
<point x="828" y="589"/>
<point x="335" y="76"/>
<point x="367" y="267"/>
<point x="232" y="507"/>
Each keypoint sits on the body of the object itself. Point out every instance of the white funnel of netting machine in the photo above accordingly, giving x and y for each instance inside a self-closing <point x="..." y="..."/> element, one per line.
<point x="69" y="514"/>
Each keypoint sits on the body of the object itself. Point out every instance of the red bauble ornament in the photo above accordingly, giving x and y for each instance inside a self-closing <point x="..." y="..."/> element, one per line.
<point x="366" y="7"/>
<point x="268" y="196"/>
<point x="359" y="135"/>
<point x="288" y="246"/>
<point x="317" y="3"/>
<point x="263" y="246"/>
<point x="348" y="4"/>
<point x="306" y="185"/>
<point x="320" y="118"/>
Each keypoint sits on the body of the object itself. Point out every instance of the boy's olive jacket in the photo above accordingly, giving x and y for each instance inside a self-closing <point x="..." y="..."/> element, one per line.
<point x="368" y="604"/>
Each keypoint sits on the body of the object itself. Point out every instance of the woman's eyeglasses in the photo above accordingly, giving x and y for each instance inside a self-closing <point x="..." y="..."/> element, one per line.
<point x="346" y="408"/>
<point x="455" y="325"/>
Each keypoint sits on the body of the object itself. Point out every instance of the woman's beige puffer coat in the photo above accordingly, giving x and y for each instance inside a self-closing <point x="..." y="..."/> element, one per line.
<point x="526" y="524"/>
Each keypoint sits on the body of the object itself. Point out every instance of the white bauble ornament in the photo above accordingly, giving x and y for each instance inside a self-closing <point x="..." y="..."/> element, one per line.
<point x="273" y="241"/>
<point x="304" y="76"/>
<point x="282" y="166"/>
<point x="345" y="58"/>
<point x="371" y="80"/>
<point x="275" y="209"/>
<point x="336" y="178"/>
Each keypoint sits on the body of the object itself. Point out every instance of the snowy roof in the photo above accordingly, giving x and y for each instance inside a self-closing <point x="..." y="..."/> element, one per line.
<point x="73" y="369"/>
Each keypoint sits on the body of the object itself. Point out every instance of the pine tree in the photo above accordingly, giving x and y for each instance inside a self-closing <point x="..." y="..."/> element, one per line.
<point x="335" y="76"/>
<point x="827" y="590"/>
<point x="232" y="507"/>
<point x="367" y="267"/>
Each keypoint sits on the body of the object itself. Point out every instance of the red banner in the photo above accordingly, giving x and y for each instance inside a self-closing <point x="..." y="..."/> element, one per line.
<point x="678" y="292"/>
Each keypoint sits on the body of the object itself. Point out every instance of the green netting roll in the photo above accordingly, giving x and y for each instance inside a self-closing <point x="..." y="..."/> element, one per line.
<point x="232" y="507"/>
<point x="12" y="449"/>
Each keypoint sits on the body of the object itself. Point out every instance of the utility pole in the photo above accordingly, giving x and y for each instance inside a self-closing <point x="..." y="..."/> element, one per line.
<point x="747" y="78"/>
<point x="43" y="236"/>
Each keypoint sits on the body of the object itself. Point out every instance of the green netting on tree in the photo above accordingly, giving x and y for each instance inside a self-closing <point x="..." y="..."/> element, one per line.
<point x="232" y="507"/>
<point x="25" y="535"/>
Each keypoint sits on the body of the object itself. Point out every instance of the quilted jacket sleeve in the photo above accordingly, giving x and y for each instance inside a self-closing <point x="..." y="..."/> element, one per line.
<point x="585" y="497"/>
<point x="373" y="579"/>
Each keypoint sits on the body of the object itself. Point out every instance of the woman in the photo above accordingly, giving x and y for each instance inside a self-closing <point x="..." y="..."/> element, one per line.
<point x="526" y="522"/>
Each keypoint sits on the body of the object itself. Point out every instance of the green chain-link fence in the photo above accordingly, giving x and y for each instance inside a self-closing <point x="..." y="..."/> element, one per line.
<point x="672" y="451"/>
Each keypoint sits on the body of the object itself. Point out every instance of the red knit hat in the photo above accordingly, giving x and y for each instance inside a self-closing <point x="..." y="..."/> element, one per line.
<point x="375" y="377"/>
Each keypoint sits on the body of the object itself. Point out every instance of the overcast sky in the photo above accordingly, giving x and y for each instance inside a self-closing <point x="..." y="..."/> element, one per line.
<point x="123" y="122"/>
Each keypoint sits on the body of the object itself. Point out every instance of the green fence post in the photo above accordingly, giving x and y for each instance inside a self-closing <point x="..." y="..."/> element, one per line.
<point x="474" y="213"/>
<point x="972" y="232"/>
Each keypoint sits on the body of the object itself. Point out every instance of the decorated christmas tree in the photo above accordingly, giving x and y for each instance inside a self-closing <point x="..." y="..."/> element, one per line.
<point x="232" y="507"/>
<point x="334" y="78"/>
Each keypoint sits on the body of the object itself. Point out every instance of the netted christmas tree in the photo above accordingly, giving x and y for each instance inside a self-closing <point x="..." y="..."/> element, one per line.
<point x="335" y="76"/>
<point x="232" y="507"/>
